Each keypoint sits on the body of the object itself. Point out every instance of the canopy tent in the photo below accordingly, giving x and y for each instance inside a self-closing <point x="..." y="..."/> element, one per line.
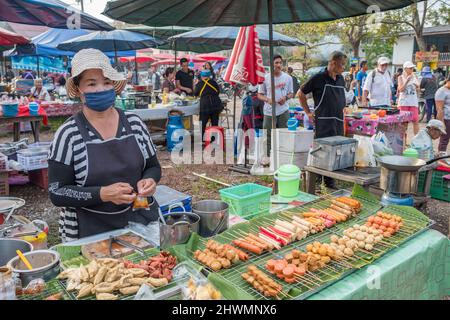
<point x="163" y="56"/>
<point x="44" y="64"/>
<point x="138" y="59"/>
<point x="8" y="38"/>
<point x="46" y="44"/>
<point x="213" y="39"/>
<point x="160" y="32"/>
<point x="50" y="13"/>
<point x="204" y="13"/>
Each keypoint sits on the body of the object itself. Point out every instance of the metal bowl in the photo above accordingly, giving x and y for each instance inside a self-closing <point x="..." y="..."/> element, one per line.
<point x="45" y="265"/>
<point x="400" y="163"/>
<point x="8" y="249"/>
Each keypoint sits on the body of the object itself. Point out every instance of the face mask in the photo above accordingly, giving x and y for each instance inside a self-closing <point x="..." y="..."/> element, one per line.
<point x="101" y="100"/>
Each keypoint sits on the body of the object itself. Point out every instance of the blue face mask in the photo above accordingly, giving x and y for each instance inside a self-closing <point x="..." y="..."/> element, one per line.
<point x="101" y="100"/>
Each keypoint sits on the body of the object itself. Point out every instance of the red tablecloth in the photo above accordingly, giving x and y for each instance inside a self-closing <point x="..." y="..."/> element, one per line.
<point x="25" y="112"/>
<point x="61" y="109"/>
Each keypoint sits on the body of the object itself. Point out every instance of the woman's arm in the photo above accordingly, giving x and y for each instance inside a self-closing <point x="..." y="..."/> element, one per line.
<point x="152" y="169"/>
<point x="63" y="190"/>
<point x="402" y="84"/>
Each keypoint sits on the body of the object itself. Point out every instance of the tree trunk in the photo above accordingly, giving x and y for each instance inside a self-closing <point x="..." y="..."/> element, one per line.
<point x="355" y="48"/>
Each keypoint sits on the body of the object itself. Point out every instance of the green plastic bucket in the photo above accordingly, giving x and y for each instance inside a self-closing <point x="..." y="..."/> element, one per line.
<point x="411" y="153"/>
<point x="288" y="177"/>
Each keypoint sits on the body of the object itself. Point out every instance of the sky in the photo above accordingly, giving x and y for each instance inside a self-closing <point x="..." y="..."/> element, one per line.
<point x="93" y="7"/>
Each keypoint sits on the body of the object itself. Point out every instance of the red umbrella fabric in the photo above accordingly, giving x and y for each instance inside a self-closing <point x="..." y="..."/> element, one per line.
<point x="191" y="58"/>
<point x="139" y="59"/>
<point x="169" y="62"/>
<point x="246" y="63"/>
<point x="211" y="57"/>
<point x="163" y="56"/>
<point x="8" y="38"/>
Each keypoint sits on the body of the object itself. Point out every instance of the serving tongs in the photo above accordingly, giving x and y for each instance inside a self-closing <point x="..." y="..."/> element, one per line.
<point x="124" y="243"/>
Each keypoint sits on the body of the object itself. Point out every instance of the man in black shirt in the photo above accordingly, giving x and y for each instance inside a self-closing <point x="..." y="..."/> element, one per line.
<point x="330" y="99"/>
<point x="185" y="78"/>
<point x="295" y="83"/>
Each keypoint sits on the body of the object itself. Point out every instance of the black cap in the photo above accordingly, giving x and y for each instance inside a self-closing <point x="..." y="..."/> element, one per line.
<point x="182" y="60"/>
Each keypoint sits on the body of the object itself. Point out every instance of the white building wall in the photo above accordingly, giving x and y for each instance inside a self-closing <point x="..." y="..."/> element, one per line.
<point x="403" y="50"/>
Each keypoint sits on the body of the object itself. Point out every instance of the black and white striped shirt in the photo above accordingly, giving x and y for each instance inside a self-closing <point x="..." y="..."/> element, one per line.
<point x="68" y="170"/>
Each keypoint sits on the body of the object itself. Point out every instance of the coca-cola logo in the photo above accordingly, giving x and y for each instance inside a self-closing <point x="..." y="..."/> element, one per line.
<point x="240" y="74"/>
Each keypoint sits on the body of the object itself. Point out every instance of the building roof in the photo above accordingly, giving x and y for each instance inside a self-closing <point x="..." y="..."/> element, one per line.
<point x="429" y="31"/>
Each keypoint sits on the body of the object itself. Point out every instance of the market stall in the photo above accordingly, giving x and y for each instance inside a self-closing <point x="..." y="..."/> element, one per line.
<point x="392" y="125"/>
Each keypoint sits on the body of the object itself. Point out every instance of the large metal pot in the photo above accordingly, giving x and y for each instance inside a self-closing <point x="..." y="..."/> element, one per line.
<point x="45" y="265"/>
<point x="8" y="249"/>
<point x="399" y="174"/>
<point x="213" y="216"/>
<point x="178" y="228"/>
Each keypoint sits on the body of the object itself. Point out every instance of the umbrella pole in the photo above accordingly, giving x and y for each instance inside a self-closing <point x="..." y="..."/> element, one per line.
<point x="136" y="68"/>
<point x="38" y="73"/>
<point x="175" y="55"/>
<point x="272" y="82"/>
<point x="234" y="108"/>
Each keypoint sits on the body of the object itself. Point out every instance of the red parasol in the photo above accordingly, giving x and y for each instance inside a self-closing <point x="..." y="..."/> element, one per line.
<point x="211" y="57"/>
<point x="139" y="59"/>
<point x="246" y="63"/>
<point x="170" y="62"/>
<point x="8" y="38"/>
<point x="163" y="56"/>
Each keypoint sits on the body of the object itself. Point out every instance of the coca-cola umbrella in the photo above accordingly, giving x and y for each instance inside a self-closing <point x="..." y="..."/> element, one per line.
<point x="246" y="62"/>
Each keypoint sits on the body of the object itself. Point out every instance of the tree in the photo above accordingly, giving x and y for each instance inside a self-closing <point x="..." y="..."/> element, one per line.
<point x="416" y="18"/>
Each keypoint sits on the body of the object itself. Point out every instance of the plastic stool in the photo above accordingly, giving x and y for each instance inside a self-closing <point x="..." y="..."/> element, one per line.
<point x="216" y="132"/>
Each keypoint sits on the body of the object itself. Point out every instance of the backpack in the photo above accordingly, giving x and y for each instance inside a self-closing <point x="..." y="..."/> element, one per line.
<point x="157" y="81"/>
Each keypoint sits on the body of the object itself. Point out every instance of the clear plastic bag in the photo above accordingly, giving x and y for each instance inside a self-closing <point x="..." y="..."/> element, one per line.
<point x="34" y="287"/>
<point x="140" y="203"/>
<point x="381" y="145"/>
<point x="194" y="285"/>
<point x="365" y="155"/>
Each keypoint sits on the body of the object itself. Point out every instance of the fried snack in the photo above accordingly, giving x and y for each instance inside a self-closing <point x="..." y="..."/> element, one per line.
<point x="100" y="275"/>
<point x="154" y="282"/>
<point x="129" y="290"/>
<point x="66" y="273"/>
<point x="56" y="296"/>
<point x="137" y="281"/>
<point x="84" y="274"/>
<point x="106" y="296"/>
<point x="73" y="284"/>
<point x="85" y="290"/>
<point x="92" y="269"/>
<point x="140" y="203"/>
<point x="138" y="273"/>
<point x="124" y="281"/>
<point x="104" y="287"/>
<point x="112" y="275"/>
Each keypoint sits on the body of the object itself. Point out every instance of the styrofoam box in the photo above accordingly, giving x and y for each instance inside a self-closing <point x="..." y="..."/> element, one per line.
<point x="299" y="159"/>
<point x="294" y="141"/>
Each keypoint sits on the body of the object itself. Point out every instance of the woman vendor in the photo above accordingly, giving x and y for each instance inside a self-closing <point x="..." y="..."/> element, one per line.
<point x="38" y="91"/>
<point x="101" y="158"/>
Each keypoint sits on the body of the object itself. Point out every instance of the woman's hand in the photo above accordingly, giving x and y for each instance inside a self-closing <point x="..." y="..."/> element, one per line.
<point x="117" y="193"/>
<point x="146" y="187"/>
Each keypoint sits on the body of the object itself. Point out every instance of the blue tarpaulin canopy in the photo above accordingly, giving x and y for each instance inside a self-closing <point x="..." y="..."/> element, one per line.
<point x="45" y="44"/>
<point x="212" y="39"/>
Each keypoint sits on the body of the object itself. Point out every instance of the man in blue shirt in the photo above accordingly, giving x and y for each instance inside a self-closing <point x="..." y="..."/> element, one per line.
<point x="361" y="78"/>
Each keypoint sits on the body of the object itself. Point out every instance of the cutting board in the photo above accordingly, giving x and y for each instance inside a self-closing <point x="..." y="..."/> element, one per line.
<point x="100" y="249"/>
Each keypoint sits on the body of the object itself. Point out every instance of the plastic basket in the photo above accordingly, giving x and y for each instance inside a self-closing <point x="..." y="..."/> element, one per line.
<point x="247" y="200"/>
<point x="440" y="187"/>
<point x="125" y="103"/>
<point x="421" y="182"/>
<point x="34" y="162"/>
<point x="10" y="109"/>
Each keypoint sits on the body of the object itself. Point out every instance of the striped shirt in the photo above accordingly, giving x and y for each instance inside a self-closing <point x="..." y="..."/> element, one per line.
<point x="69" y="148"/>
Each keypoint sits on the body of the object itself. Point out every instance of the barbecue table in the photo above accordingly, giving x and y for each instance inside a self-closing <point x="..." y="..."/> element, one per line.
<point x="364" y="177"/>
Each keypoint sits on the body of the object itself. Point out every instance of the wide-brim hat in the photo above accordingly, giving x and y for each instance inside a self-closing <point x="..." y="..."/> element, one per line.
<point x="93" y="59"/>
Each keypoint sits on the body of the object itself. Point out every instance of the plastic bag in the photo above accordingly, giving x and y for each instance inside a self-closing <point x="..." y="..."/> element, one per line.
<point x="365" y="155"/>
<point x="194" y="285"/>
<point x="34" y="287"/>
<point x="423" y="143"/>
<point x="381" y="145"/>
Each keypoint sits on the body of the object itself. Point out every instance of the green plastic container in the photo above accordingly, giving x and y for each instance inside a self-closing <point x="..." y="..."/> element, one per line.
<point x="247" y="200"/>
<point x="288" y="177"/>
<point x="440" y="188"/>
<point x="411" y="153"/>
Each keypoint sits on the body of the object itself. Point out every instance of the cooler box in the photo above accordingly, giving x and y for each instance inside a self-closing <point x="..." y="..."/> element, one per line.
<point x="333" y="153"/>
<point x="168" y="197"/>
<point x="294" y="141"/>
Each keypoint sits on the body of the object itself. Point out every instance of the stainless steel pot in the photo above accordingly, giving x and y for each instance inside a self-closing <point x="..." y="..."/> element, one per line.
<point x="8" y="249"/>
<point x="399" y="174"/>
<point x="178" y="228"/>
<point x="45" y="265"/>
<point x="213" y="216"/>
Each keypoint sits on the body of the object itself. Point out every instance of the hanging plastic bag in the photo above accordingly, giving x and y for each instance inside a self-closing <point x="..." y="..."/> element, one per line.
<point x="381" y="145"/>
<point x="365" y="155"/>
<point x="194" y="285"/>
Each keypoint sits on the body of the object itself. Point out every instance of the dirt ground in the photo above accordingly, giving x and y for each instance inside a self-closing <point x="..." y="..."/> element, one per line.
<point x="181" y="178"/>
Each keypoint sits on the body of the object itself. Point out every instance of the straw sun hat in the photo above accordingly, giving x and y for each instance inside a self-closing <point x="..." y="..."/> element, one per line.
<point x="93" y="59"/>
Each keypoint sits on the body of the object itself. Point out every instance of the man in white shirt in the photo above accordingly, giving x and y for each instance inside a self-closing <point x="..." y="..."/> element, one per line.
<point x="283" y="92"/>
<point x="377" y="87"/>
<point x="442" y="98"/>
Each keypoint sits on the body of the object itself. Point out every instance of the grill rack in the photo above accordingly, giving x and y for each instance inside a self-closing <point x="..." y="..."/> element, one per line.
<point x="52" y="287"/>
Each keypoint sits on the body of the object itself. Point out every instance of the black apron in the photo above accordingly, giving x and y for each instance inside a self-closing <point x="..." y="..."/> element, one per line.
<point x="108" y="162"/>
<point x="329" y="113"/>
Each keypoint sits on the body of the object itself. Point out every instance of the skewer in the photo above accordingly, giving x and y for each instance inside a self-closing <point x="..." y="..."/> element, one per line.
<point x="314" y="276"/>
<point x="302" y="281"/>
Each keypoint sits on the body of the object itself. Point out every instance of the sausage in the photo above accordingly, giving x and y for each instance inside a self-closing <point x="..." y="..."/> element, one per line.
<point x="248" y="246"/>
<point x="342" y="205"/>
<point x="300" y="226"/>
<point x="302" y="221"/>
<point x="241" y="254"/>
<point x="350" y="202"/>
<point x="256" y="243"/>
<point x="341" y="210"/>
<point x="258" y="239"/>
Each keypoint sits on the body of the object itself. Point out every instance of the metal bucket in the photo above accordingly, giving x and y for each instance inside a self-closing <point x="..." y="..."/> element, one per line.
<point x="213" y="216"/>
<point x="45" y="266"/>
<point x="8" y="249"/>
<point x="178" y="229"/>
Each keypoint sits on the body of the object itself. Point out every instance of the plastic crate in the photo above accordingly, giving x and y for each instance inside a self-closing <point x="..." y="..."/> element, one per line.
<point x="421" y="182"/>
<point x="4" y="185"/>
<point x="34" y="162"/>
<point x="247" y="200"/>
<point x="125" y="104"/>
<point x="440" y="187"/>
